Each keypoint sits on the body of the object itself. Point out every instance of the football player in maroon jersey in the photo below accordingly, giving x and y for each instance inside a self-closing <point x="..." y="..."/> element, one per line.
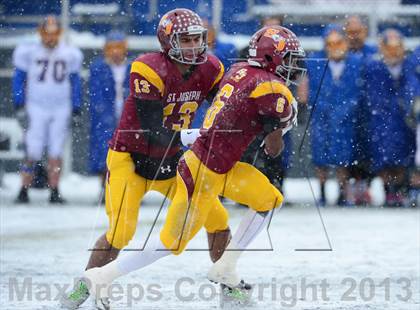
<point x="253" y="98"/>
<point x="166" y="88"/>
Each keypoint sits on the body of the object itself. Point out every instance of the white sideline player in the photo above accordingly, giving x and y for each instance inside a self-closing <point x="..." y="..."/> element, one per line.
<point x="46" y="92"/>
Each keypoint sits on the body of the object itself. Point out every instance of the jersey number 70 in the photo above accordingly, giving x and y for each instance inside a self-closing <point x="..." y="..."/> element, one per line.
<point x="59" y="69"/>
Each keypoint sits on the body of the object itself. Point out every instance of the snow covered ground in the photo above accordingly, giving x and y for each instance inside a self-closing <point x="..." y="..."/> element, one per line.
<point x="374" y="262"/>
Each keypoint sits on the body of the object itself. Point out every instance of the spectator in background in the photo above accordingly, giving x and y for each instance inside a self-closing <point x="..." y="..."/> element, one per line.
<point x="46" y="91"/>
<point x="414" y="190"/>
<point x="226" y="52"/>
<point x="391" y="143"/>
<point x="274" y="20"/>
<point x="356" y="34"/>
<point x="333" y="126"/>
<point x="108" y="87"/>
<point x="356" y="31"/>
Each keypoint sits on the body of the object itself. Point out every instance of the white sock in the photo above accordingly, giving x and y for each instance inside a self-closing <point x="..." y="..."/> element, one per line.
<point x="128" y="262"/>
<point x="251" y="225"/>
<point x="153" y="251"/>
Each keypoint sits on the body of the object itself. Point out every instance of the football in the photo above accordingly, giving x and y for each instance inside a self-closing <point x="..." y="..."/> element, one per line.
<point x="274" y="144"/>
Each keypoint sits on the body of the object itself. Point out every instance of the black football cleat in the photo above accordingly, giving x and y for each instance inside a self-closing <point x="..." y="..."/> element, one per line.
<point x="55" y="197"/>
<point x="23" y="196"/>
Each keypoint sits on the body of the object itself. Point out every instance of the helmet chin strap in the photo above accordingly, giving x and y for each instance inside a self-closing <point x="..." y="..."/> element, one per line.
<point x="176" y="54"/>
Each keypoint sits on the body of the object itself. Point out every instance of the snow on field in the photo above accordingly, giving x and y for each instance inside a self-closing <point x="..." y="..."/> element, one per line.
<point x="374" y="262"/>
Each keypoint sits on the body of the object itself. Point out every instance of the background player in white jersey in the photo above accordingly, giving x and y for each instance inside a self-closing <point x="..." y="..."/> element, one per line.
<point x="47" y="90"/>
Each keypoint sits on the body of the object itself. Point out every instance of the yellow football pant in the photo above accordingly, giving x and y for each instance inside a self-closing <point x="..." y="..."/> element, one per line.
<point x="196" y="203"/>
<point x="124" y="191"/>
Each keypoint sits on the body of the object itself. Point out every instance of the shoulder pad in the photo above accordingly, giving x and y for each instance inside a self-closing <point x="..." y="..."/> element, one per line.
<point x="272" y="87"/>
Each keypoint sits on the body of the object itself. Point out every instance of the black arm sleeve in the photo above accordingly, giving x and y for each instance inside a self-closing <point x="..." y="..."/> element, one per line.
<point x="212" y="94"/>
<point x="270" y="124"/>
<point x="150" y="115"/>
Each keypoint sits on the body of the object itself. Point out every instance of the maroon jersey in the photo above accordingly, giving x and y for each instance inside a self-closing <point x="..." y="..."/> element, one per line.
<point x="248" y="98"/>
<point x="154" y="76"/>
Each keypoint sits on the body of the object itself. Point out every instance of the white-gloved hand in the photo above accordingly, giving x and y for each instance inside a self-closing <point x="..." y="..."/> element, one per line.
<point x="188" y="136"/>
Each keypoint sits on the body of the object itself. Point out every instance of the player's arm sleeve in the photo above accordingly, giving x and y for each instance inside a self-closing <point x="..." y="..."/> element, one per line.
<point x="147" y="88"/>
<point x="18" y="85"/>
<point x="76" y="91"/>
<point x="150" y="115"/>
<point x="212" y="94"/>
<point x="126" y="86"/>
<point x="21" y="62"/>
<point x="275" y="105"/>
<point x="22" y="57"/>
<point x="278" y="113"/>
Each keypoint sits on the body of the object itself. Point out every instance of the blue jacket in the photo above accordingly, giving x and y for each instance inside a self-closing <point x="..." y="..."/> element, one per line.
<point x="366" y="51"/>
<point x="413" y="62"/>
<point x="226" y="52"/>
<point x="362" y="143"/>
<point x="334" y="115"/>
<point x="388" y="103"/>
<point x="102" y="112"/>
